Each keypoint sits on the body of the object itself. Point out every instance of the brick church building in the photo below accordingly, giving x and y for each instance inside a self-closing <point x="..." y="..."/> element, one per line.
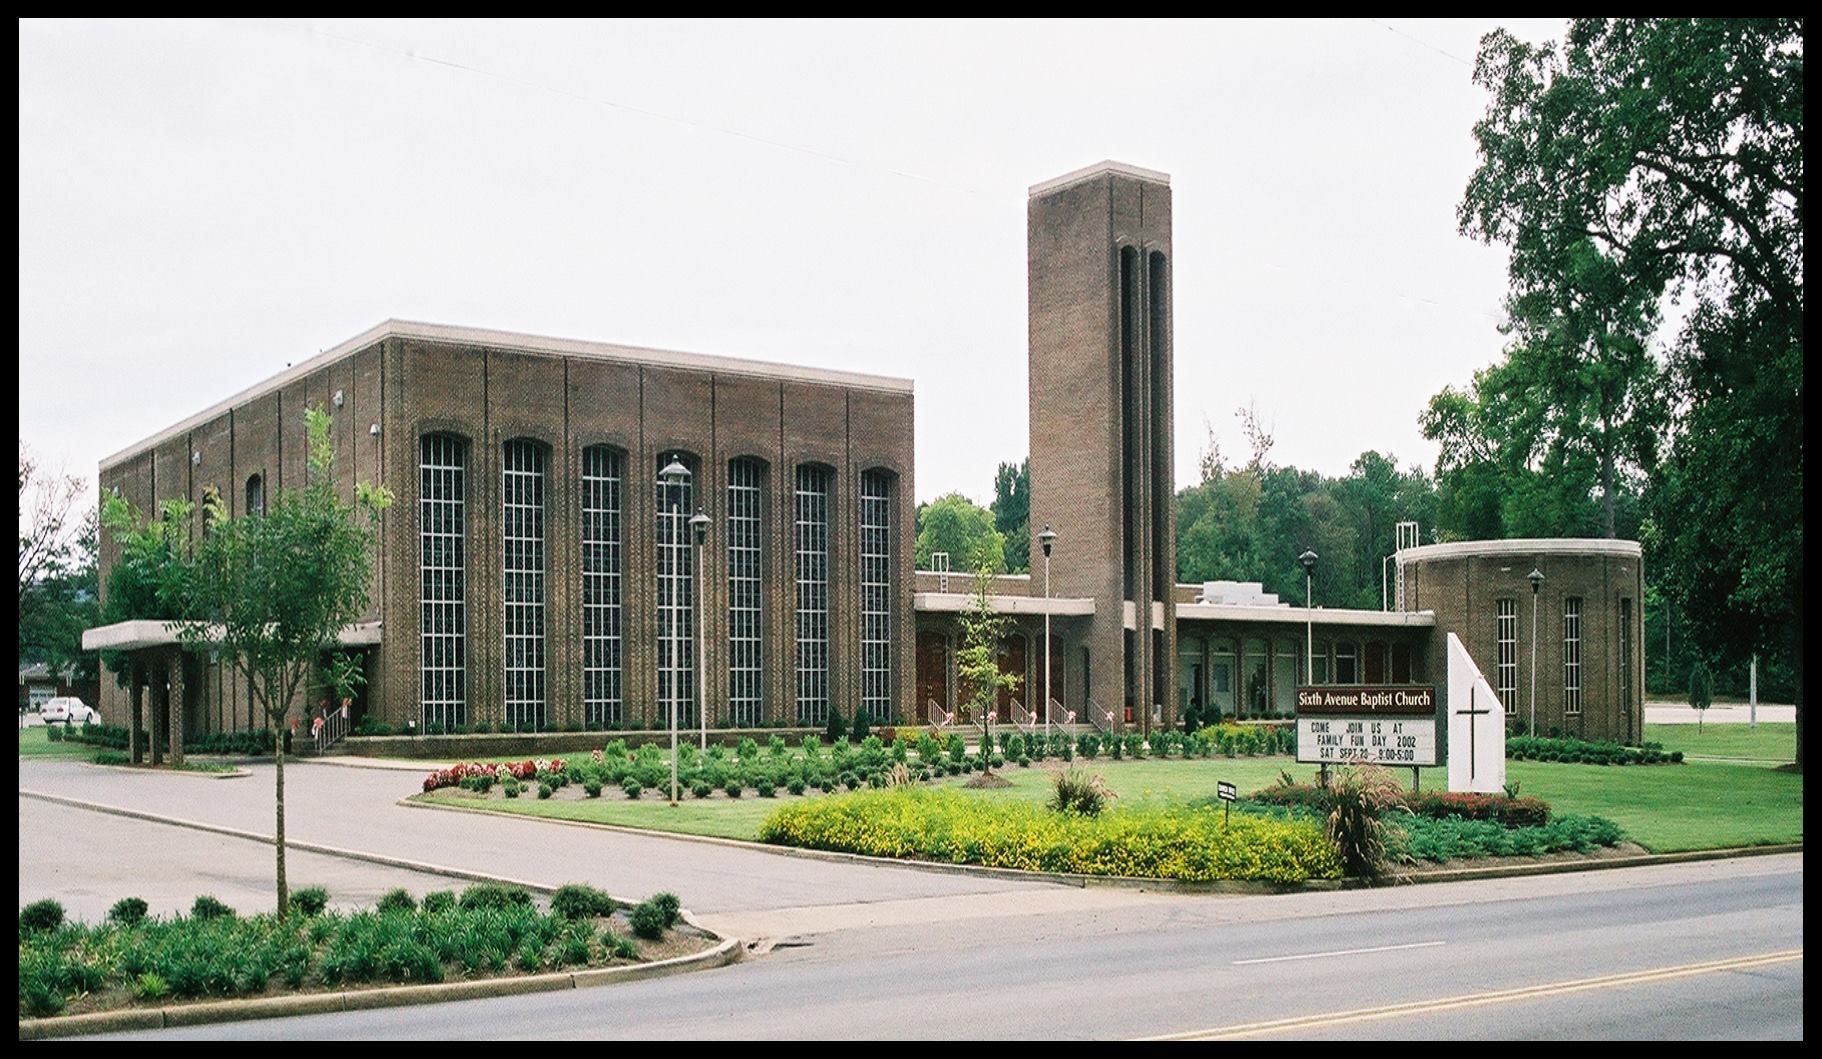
<point x="540" y="568"/>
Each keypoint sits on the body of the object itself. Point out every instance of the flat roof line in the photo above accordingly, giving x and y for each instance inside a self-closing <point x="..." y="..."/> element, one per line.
<point x="1098" y="169"/>
<point x="518" y="342"/>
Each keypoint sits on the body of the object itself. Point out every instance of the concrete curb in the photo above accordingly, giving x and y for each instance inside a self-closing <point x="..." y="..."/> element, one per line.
<point x="232" y="774"/>
<point x="728" y="951"/>
<point x="1126" y="882"/>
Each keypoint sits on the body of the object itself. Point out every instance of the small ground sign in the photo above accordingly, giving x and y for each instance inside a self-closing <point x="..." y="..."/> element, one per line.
<point x="1225" y="791"/>
<point x="1380" y="725"/>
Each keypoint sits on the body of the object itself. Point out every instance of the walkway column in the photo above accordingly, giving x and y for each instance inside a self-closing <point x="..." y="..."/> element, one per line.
<point x="161" y="698"/>
<point x="136" y="691"/>
<point x="174" y="704"/>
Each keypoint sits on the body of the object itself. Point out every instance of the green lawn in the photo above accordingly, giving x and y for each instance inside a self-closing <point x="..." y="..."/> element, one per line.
<point x="36" y="743"/>
<point x="1767" y="742"/>
<point x="1698" y="805"/>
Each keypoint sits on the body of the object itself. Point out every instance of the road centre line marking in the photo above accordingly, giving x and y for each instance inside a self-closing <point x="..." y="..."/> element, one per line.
<point x="1339" y="952"/>
<point x="1337" y="1018"/>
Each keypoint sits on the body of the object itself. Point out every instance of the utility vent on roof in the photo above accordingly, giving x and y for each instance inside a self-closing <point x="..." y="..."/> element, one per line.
<point x="1238" y="593"/>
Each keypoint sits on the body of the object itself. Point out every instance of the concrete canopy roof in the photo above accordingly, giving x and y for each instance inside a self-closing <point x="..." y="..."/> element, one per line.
<point x="144" y="633"/>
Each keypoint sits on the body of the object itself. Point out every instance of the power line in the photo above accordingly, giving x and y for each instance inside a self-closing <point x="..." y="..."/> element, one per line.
<point x="413" y="54"/>
<point x="1424" y="43"/>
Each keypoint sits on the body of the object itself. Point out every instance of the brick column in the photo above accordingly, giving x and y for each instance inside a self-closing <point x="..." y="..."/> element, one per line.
<point x="174" y="706"/>
<point x="136" y="694"/>
<point x="161" y="696"/>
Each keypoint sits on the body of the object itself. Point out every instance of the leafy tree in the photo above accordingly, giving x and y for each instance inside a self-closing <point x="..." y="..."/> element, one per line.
<point x="1012" y="513"/>
<point x="977" y="663"/>
<point x="957" y="525"/>
<point x="60" y="604"/>
<point x="1673" y="149"/>
<point x="1701" y="692"/>
<point x="272" y="592"/>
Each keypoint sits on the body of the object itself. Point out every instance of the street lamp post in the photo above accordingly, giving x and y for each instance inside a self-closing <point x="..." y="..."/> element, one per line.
<point x="674" y="474"/>
<point x="700" y="524"/>
<point x="1308" y="559"/>
<point x="1537" y="582"/>
<point x="1047" y="538"/>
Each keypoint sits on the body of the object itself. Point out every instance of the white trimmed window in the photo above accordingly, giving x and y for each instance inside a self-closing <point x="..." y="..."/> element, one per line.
<point x="522" y="574"/>
<point x="603" y="701"/>
<point x="876" y="595"/>
<point x="676" y="594"/>
<point x="443" y="614"/>
<point x="1572" y="656"/>
<point x="1506" y="670"/>
<point x="812" y="543"/>
<point x="745" y="644"/>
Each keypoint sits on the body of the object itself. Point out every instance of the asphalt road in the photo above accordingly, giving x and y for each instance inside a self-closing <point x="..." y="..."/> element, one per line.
<point x="863" y="951"/>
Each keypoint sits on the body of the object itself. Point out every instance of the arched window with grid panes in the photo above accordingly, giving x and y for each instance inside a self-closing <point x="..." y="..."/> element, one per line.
<point x="811" y="499"/>
<point x="876" y="594"/>
<point x="675" y="502"/>
<point x="603" y="646"/>
<point x="442" y="579"/>
<point x="522" y="567"/>
<point x="746" y="573"/>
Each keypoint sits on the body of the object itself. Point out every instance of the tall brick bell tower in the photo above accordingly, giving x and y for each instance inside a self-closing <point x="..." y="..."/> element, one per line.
<point x="1099" y="260"/>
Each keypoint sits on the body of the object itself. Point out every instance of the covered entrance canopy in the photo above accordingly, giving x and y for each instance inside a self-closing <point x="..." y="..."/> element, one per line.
<point x="161" y="660"/>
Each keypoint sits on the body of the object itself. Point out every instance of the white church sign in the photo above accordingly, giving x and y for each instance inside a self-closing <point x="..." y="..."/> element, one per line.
<point x="1377" y="725"/>
<point x="1477" y="726"/>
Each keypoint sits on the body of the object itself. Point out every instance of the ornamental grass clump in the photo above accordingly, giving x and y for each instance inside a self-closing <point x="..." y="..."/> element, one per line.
<point x="1076" y="790"/>
<point x="1357" y="799"/>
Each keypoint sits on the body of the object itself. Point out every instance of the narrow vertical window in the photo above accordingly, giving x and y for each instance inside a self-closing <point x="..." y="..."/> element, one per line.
<point x="1163" y="491"/>
<point x="1347" y="663"/>
<point x="1129" y="545"/>
<point x="1285" y="675"/>
<point x="1257" y="686"/>
<point x="676" y="593"/>
<point x="812" y="594"/>
<point x="744" y="579"/>
<point x="522" y="573"/>
<point x="876" y="595"/>
<point x="256" y="496"/>
<point x="1572" y="656"/>
<point x="443" y="621"/>
<point x="1506" y="633"/>
<point x="603" y="703"/>
<point x="1625" y="654"/>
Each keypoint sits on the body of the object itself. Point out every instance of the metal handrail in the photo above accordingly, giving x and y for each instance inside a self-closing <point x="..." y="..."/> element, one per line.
<point x="1023" y="718"/>
<point x="335" y="725"/>
<point x="939" y="717"/>
<point x="1067" y="716"/>
<point x="1101" y="718"/>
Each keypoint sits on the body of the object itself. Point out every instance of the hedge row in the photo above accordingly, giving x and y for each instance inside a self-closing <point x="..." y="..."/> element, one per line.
<point x="952" y="827"/>
<point x="214" y="953"/>
<point x="1446" y="839"/>
<point x="117" y="737"/>
<point x="1436" y="805"/>
<point x="1588" y="752"/>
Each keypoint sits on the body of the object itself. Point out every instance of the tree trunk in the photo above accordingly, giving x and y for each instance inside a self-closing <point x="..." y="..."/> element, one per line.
<point x="1607" y="475"/>
<point x="278" y="835"/>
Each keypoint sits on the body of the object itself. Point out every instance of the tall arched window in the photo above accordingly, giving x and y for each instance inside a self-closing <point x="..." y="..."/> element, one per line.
<point x="603" y="472"/>
<point x="812" y="545"/>
<point x="876" y="594"/>
<point x="442" y="572"/>
<point x="256" y="496"/>
<point x="522" y="570"/>
<point x="746" y="477"/>
<point x="676" y="591"/>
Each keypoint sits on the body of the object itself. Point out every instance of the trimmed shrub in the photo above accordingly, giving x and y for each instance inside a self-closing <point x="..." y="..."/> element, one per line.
<point x="438" y="901"/>
<point x="40" y="916"/>
<point x="648" y="920"/>
<point x="733" y="788"/>
<point x="311" y="900"/>
<point x="837" y="728"/>
<point x="667" y="904"/>
<point x="1089" y="745"/>
<point x="580" y="901"/>
<point x="619" y="946"/>
<point x="1586" y="752"/>
<point x="397" y="900"/>
<point x="127" y="912"/>
<point x="511" y="787"/>
<point x="949" y="826"/>
<point x="796" y="786"/>
<point x="207" y="907"/>
<point x="765" y="788"/>
<point x="495" y="895"/>
<point x="1445" y="839"/>
<point x="702" y="788"/>
<point x="543" y="791"/>
<point x="632" y="787"/>
<point x="591" y="787"/>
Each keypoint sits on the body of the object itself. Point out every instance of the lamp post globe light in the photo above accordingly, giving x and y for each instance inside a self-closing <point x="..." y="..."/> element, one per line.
<point x="1537" y="582"/>
<point x="1047" y="538"/>
<point x="675" y="474"/>
<point x="699" y="524"/>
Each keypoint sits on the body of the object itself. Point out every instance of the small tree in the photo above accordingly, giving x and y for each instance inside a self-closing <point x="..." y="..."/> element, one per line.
<point x="978" y="661"/>
<point x="275" y="590"/>
<point x="1701" y="691"/>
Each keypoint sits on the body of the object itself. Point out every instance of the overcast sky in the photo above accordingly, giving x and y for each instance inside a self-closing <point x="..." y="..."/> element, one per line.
<point x="202" y="203"/>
